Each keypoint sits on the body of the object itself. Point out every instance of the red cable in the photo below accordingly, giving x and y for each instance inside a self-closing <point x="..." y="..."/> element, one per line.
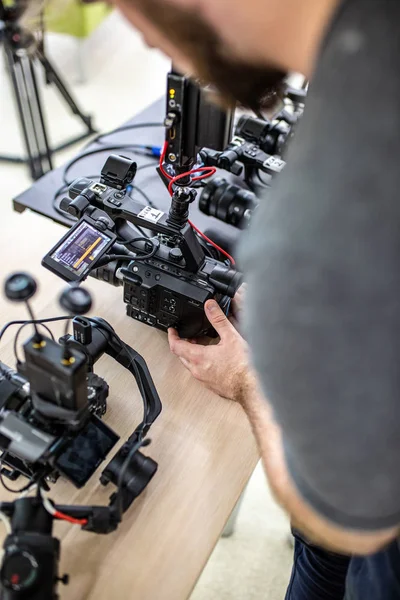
<point x="213" y="243"/>
<point x="64" y="517"/>
<point x="162" y="158"/>
<point x="207" y="172"/>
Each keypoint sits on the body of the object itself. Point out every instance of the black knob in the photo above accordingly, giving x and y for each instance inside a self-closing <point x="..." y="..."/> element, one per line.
<point x="185" y="195"/>
<point x="175" y="254"/>
<point x="64" y="579"/>
<point x="20" y="287"/>
<point x="64" y="204"/>
<point x="76" y="300"/>
<point x="237" y="168"/>
<point x="19" y="571"/>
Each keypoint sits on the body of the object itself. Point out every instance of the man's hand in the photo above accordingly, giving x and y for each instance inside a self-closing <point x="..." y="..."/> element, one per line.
<point x="224" y="367"/>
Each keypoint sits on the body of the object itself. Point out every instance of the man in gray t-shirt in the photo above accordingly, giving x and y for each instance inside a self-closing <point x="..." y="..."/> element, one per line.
<point x="322" y="261"/>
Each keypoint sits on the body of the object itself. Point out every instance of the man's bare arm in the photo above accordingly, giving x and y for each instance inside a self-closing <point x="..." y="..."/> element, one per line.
<point x="313" y="526"/>
<point x="224" y="368"/>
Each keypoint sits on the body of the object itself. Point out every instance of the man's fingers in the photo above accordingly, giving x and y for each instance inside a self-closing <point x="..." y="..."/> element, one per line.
<point x="218" y="319"/>
<point x="184" y="349"/>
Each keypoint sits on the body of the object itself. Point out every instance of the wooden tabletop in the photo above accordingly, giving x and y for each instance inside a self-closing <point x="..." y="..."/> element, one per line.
<point x="203" y="445"/>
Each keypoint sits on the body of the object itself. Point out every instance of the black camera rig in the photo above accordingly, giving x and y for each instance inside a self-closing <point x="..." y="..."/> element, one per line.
<point x="50" y="426"/>
<point x="167" y="278"/>
<point x="258" y="147"/>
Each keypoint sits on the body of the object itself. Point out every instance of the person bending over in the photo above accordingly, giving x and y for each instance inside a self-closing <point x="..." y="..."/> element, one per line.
<point x="319" y="374"/>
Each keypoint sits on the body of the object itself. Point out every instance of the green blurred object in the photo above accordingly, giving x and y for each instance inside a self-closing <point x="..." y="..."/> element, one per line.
<point x="75" y="18"/>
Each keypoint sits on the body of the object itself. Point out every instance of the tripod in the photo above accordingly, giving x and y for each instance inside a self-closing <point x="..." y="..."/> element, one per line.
<point x="22" y="50"/>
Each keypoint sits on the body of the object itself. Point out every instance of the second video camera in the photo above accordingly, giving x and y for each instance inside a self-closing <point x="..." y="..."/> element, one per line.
<point x="167" y="278"/>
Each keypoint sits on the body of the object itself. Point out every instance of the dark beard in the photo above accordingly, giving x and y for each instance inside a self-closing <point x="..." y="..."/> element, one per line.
<point x="252" y="86"/>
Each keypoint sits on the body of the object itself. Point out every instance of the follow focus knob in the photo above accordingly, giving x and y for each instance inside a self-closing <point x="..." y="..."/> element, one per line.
<point x="76" y="300"/>
<point x="20" y="287"/>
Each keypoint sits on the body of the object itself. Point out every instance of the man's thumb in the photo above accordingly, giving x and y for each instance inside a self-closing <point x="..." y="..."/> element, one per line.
<point x="217" y="318"/>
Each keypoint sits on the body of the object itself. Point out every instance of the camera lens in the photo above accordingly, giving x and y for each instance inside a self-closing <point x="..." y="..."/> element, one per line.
<point x="228" y="202"/>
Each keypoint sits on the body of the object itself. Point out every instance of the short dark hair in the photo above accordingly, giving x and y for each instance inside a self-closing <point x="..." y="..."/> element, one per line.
<point x="253" y="86"/>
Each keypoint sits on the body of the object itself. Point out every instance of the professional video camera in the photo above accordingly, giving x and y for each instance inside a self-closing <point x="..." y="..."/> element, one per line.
<point x="167" y="278"/>
<point x="50" y="426"/>
<point x="257" y="148"/>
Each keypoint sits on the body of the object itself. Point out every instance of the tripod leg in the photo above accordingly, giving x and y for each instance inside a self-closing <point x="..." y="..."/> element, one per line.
<point x="53" y="76"/>
<point x="30" y="113"/>
<point x="14" y="71"/>
<point x="40" y="125"/>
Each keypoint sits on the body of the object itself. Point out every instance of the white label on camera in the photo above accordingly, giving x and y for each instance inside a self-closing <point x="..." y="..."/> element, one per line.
<point x="275" y="164"/>
<point x="151" y="214"/>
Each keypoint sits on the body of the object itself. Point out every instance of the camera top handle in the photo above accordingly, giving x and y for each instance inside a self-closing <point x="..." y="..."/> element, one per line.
<point x="114" y="210"/>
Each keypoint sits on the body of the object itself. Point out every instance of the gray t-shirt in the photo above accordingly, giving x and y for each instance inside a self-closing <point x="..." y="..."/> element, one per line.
<point x="323" y="265"/>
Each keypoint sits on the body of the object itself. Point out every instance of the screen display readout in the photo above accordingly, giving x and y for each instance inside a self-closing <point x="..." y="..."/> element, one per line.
<point x="78" y="252"/>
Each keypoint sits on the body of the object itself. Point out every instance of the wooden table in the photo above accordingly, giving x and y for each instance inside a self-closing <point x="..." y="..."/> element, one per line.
<point x="203" y="444"/>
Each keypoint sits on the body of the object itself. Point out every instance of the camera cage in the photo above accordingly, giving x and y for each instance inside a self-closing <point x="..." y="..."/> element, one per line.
<point x="175" y="254"/>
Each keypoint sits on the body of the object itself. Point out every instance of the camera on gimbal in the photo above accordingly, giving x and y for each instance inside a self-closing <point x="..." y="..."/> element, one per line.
<point x="51" y="406"/>
<point x="167" y="278"/>
<point x="50" y="426"/>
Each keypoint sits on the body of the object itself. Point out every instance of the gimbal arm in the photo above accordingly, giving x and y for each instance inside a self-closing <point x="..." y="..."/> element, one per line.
<point x="95" y="337"/>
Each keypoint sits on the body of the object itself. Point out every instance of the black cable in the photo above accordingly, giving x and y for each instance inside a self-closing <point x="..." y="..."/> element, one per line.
<point x="130" y="147"/>
<point x="133" y="240"/>
<point x="18" y="334"/>
<point x="146" y="166"/>
<point x="111" y="257"/>
<point x="97" y="138"/>
<point x="142" y="193"/>
<point x="32" y="316"/>
<point x="5" y="486"/>
<point x="141" y="231"/>
<point x="31" y="322"/>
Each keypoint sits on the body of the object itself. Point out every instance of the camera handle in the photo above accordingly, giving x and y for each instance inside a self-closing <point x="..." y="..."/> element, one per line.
<point x="95" y="337"/>
<point x="115" y="211"/>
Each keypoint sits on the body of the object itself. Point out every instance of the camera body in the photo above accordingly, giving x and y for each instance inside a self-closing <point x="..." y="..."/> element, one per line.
<point x="270" y="137"/>
<point x="167" y="278"/>
<point x="161" y="293"/>
<point x="51" y="408"/>
<point x="50" y="425"/>
<point x="45" y="431"/>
